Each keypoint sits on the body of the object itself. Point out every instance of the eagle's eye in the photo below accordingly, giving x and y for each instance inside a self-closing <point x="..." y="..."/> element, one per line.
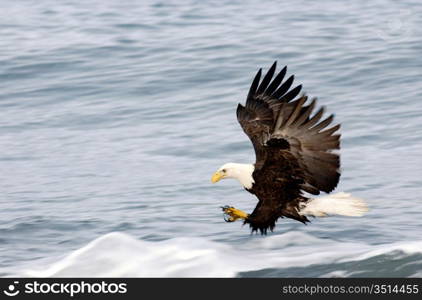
<point x="224" y="170"/>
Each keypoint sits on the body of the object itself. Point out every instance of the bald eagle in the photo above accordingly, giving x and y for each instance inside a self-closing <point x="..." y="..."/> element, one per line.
<point x="295" y="153"/>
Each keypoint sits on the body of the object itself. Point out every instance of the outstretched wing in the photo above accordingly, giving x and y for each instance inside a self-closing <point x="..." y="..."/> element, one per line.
<point x="286" y="129"/>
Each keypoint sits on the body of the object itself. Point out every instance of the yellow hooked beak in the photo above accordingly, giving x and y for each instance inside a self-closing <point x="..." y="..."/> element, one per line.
<point x="217" y="176"/>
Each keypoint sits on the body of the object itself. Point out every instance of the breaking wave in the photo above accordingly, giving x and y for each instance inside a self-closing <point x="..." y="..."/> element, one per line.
<point x="294" y="254"/>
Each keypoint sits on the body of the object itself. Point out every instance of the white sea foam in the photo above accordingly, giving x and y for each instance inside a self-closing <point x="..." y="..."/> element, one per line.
<point x="120" y="255"/>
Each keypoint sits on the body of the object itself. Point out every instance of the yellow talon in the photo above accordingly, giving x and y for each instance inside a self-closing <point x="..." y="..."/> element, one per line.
<point x="232" y="214"/>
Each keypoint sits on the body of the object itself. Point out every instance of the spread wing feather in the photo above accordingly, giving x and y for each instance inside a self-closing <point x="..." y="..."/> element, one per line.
<point x="272" y="118"/>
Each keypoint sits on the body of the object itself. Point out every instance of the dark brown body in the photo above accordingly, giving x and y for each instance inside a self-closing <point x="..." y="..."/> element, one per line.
<point x="279" y="195"/>
<point x="293" y="147"/>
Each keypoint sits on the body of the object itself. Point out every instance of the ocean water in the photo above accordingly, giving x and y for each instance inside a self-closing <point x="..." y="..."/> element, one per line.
<point x="114" y="115"/>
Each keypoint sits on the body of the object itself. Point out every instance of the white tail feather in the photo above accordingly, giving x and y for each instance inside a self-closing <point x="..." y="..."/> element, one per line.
<point x="337" y="204"/>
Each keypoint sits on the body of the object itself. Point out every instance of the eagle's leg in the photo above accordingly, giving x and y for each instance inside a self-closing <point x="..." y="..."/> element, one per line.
<point x="232" y="214"/>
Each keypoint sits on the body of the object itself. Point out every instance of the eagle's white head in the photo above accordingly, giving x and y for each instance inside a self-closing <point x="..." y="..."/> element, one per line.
<point x="241" y="172"/>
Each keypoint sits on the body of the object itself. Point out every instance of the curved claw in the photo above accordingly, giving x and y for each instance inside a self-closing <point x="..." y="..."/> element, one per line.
<point x="228" y="219"/>
<point x="232" y="214"/>
<point x="227" y="216"/>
